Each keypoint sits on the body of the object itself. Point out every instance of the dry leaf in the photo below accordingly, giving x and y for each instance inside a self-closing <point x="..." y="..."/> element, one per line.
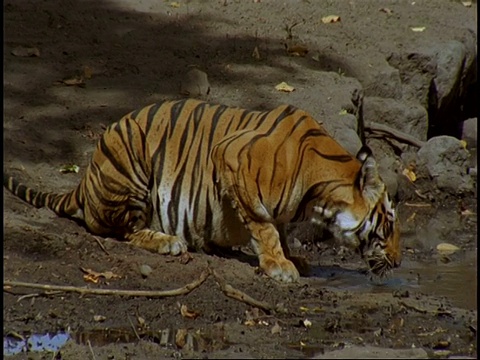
<point x="330" y="19"/>
<point x="446" y="248"/>
<point x="174" y="4"/>
<point x="418" y="29"/>
<point x="99" y="318"/>
<point x="463" y="143"/>
<point x="256" y="53"/>
<point x="74" y="81"/>
<point x="303" y="308"/>
<point x="25" y="51"/>
<point x="185" y="258"/>
<point x="297" y="50"/>
<point x="412" y="217"/>
<point x="69" y="169"/>
<point x="467" y="3"/>
<point x="94" y="276"/>
<point x="188" y="313"/>
<point x="141" y="321"/>
<point x="409" y="174"/>
<point x="467" y="212"/>
<point x="386" y="10"/>
<point x="87" y="72"/>
<point x="180" y="338"/>
<point x="307" y="323"/>
<point x="343" y="112"/>
<point x="90" y="278"/>
<point x="249" y="323"/>
<point x="283" y="86"/>
<point x="276" y="329"/>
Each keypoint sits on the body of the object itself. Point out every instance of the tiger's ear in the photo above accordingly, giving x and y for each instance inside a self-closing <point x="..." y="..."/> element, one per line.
<point x="369" y="182"/>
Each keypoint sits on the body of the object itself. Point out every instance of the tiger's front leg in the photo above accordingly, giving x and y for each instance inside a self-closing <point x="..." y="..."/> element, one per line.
<point x="267" y="245"/>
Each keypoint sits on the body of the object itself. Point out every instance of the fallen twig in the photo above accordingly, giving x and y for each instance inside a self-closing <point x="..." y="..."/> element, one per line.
<point x="87" y="291"/>
<point x="99" y="242"/>
<point x="91" y="350"/>
<point x="423" y="205"/>
<point x="236" y="294"/>
<point x="412" y="307"/>
<point x="394" y="133"/>
<point x="34" y="295"/>
<point x="133" y="327"/>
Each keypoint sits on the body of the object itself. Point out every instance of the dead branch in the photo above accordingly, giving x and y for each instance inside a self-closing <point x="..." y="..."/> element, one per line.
<point x="236" y="294"/>
<point x="394" y="133"/>
<point x="87" y="291"/>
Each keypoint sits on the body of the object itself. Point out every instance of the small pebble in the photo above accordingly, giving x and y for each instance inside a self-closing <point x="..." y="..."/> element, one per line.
<point x="145" y="270"/>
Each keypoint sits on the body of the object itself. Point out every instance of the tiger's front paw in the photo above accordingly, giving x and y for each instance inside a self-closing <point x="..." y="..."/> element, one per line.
<point x="172" y="245"/>
<point x="279" y="269"/>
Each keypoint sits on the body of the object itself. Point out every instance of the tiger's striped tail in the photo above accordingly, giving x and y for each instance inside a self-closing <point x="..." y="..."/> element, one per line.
<point x="65" y="205"/>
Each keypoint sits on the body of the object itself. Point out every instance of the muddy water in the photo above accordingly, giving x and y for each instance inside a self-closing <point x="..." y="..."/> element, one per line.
<point x="456" y="281"/>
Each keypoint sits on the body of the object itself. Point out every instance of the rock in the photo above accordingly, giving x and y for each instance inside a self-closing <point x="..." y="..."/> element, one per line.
<point x="372" y="352"/>
<point x="446" y="161"/>
<point x="195" y="84"/>
<point x="385" y="82"/>
<point x="406" y="116"/>
<point x="440" y="76"/>
<point x="386" y="168"/>
<point x="417" y="71"/>
<point x="469" y="132"/>
<point x="450" y="57"/>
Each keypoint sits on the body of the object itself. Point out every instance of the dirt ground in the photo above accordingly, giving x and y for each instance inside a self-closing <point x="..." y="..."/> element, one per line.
<point x="100" y="60"/>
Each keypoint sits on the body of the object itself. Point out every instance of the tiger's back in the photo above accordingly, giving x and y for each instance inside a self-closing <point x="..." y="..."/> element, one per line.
<point x="187" y="172"/>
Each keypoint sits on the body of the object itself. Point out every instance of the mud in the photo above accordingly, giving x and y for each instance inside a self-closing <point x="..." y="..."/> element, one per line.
<point x="427" y="308"/>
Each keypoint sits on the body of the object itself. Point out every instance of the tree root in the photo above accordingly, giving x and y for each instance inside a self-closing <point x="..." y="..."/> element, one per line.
<point x="236" y="294"/>
<point x="227" y="289"/>
<point x="387" y="131"/>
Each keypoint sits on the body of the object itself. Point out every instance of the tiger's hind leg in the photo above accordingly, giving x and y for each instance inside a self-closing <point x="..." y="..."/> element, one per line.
<point x="117" y="192"/>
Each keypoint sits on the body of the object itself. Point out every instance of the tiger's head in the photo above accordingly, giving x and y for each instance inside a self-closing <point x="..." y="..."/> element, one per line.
<point x="364" y="218"/>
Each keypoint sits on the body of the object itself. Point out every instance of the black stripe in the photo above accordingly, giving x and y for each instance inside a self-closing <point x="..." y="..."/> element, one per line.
<point x="152" y="112"/>
<point x="175" y="196"/>
<point x="313" y="133"/>
<point x="280" y="146"/>
<point x="338" y="158"/>
<point x="175" y="111"/>
<point x="186" y="229"/>
<point x="217" y="115"/>
<point x="208" y="218"/>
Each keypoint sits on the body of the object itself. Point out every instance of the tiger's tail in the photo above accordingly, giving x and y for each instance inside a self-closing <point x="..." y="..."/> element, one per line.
<point x="65" y="205"/>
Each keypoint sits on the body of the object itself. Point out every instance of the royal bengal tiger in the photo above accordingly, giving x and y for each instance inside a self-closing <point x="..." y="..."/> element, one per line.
<point x="188" y="174"/>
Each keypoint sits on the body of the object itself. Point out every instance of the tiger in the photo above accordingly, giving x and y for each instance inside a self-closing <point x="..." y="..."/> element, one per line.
<point x="184" y="175"/>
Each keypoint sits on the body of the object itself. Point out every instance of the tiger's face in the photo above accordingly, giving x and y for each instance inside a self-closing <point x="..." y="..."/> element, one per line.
<point x="364" y="218"/>
<point x="379" y="239"/>
<point x="375" y="235"/>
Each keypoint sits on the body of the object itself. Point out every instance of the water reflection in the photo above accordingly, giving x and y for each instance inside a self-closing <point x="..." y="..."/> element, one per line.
<point x="47" y="342"/>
